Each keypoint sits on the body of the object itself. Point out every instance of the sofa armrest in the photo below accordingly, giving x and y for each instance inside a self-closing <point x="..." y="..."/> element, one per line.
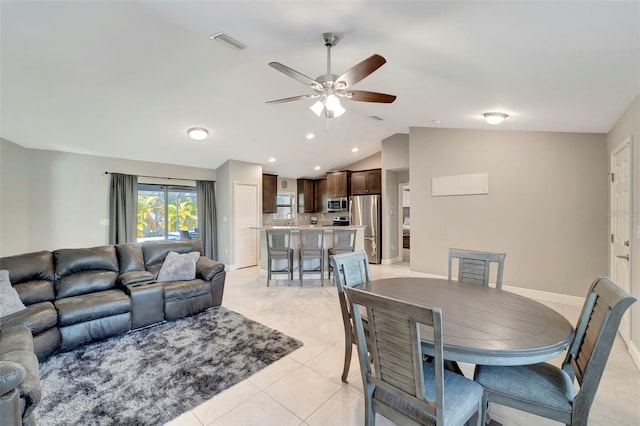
<point x="134" y="277"/>
<point x="11" y="375"/>
<point x="207" y="269"/>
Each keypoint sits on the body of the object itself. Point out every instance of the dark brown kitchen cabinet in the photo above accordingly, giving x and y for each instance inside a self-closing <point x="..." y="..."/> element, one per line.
<point x="269" y="193"/>
<point x="366" y="182"/>
<point x="306" y="199"/>
<point x="320" y="195"/>
<point x="338" y="184"/>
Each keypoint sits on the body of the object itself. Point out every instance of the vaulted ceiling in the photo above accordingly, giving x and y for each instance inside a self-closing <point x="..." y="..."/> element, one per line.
<point x="128" y="78"/>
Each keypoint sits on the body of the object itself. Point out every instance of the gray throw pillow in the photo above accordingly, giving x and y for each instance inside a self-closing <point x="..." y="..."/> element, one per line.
<point x="179" y="267"/>
<point x="9" y="300"/>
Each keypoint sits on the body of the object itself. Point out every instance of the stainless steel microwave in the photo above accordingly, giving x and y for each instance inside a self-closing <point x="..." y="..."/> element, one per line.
<point x="337" y="204"/>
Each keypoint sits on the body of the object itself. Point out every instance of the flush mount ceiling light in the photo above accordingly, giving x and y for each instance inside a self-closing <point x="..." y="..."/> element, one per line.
<point x="354" y="149"/>
<point x="316" y="168"/>
<point x="198" y="133"/>
<point x="272" y="160"/>
<point x="310" y="136"/>
<point x="495" y="117"/>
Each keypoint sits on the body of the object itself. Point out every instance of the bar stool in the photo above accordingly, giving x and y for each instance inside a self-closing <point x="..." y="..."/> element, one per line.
<point x="344" y="241"/>
<point x="312" y="249"/>
<point x="279" y="250"/>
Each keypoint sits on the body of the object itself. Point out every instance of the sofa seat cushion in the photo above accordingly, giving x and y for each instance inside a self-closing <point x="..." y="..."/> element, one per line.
<point x="87" y="307"/>
<point x="38" y="317"/>
<point x="180" y="290"/>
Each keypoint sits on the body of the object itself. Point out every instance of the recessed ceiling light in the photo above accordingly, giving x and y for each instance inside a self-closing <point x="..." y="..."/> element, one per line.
<point x="272" y="160"/>
<point x="310" y="136"/>
<point x="436" y="121"/>
<point x="198" y="133"/>
<point x="354" y="149"/>
<point x="495" y="117"/>
<point x="316" y="168"/>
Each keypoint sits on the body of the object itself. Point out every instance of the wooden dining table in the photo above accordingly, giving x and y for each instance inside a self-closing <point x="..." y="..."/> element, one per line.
<point x="483" y="325"/>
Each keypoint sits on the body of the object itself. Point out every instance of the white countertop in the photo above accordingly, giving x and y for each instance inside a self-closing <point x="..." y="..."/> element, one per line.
<point x="301" y="227"/>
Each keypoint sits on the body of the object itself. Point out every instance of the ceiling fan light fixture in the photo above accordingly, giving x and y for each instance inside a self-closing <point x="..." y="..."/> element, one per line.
<point x="198" y="133"/>
<point x="332" y="103"/>
<point x="495" y="117"/>
<point x="338" y="110"/>
<point x="317" y="108"/>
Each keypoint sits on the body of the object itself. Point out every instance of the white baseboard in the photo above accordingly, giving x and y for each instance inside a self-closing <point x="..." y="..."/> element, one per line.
<point x="391" y="260"/>
<point x="547" y="296"/>
<point x="634" y="352"/>
<point x="230" y="267"/>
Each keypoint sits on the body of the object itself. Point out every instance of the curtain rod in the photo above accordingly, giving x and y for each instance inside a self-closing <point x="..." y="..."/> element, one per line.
<point x="159" y="177"/>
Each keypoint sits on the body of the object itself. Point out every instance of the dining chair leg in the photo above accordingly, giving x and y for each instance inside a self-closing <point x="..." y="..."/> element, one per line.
<point x="348" y="349"/>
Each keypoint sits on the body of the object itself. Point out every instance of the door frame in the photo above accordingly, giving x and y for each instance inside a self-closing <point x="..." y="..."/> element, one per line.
<point x="236" y="230"/>
<point x="400" y="215"/>
<point x="628" y="141"/>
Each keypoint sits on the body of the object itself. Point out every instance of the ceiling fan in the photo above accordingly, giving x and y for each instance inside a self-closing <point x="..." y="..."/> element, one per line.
<point x="330" y="88"/>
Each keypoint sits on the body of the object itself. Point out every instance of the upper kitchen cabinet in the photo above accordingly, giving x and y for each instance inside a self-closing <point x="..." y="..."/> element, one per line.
<point x="305" y="196"/>
<point x="320" y="195"/>
<point x="269" y="193"/>
<point x="338" y="184"/>
<point x="366" y="182"/>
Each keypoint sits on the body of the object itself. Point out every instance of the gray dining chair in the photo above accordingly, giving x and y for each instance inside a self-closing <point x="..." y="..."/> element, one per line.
<point x="344" y="241"/>
<point x="548" y="391"/>
<point x="404" y="388"/>
<point x="352" y="269"/>
<point x="279" y="252"/>
<point x="475" y="266"/>
<point x="311" y="250"/>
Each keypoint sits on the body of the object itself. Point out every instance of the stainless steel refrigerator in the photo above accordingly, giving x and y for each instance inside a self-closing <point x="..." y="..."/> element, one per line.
<point x="366" y="210"/>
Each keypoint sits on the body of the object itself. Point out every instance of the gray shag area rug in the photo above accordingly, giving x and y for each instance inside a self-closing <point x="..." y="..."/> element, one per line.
<point x="151" y="376"/>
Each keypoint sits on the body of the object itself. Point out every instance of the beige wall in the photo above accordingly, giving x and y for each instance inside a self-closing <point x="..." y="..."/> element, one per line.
<point x="14" y="199"/>
<point x="371" y="162"/>
<point x="230" y="173"/>
<point x="629" y="125"/>
<point x="66" y="196"/>
<point x="545" y="208"/>
<point x="395" y="167"/>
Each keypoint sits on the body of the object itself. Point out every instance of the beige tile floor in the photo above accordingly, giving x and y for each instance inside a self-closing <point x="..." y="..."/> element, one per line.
<point x="304" y="388"/>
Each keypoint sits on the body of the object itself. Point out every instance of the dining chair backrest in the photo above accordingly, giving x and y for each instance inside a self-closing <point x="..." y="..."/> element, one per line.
<point x="596" y="331"/>
<point x="474" y="266"/>
<point x="394" y="329"/>
<point x="350" y="269"/>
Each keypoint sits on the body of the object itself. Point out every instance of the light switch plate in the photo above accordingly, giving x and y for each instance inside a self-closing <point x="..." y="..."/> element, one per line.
<point x="104" y="222"/>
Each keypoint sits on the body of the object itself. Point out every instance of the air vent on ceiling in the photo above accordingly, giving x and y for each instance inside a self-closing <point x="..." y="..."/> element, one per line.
<point x="228" y="41"/>
<point x="375" y="117"/>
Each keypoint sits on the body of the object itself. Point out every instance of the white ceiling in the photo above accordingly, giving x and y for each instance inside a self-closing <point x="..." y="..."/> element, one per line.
<point x="127" y="78"/>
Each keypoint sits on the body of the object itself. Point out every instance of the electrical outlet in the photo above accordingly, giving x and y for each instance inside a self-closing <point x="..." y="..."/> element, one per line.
<point x="104" y="222"/>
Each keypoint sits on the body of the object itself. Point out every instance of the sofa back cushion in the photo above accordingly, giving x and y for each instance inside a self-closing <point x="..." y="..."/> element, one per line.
<point x="155" y="251"/>
<point x="85" y="270"/>
<point x="31" y="274"/>
<point x="130" y="257"/>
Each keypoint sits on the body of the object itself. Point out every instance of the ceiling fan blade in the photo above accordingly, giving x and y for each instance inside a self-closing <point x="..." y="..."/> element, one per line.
<point x="364" y="96"/>
<point x="294" y="74"/>
<point x="361" y="70"/>
<point x="293" y="98"/>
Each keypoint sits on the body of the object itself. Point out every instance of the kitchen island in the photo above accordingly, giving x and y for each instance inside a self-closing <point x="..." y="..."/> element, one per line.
<point x="295" y="245"/>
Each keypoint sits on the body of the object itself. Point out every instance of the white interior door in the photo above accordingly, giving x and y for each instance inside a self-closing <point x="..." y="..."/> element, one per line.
<point x="246" y="217"/>
<point x="620" y="221"/>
